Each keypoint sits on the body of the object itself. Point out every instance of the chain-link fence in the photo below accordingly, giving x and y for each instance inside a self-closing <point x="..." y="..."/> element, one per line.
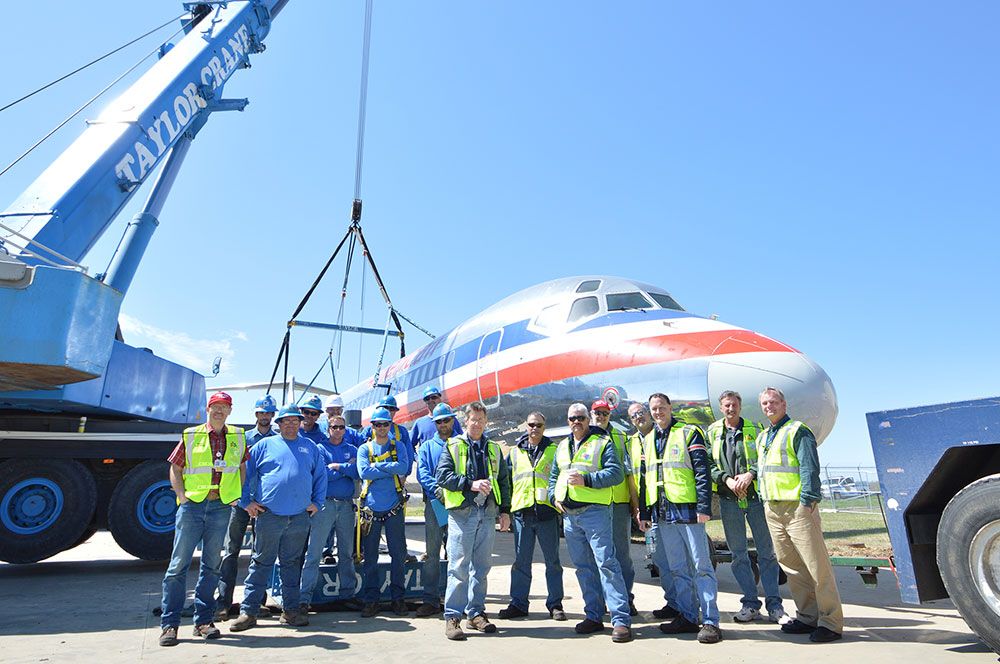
<point x="850" y="489"/>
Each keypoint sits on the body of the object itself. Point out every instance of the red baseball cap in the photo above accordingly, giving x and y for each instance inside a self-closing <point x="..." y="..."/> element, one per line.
<point x="220" y="397"/>
<point x="600" y="404"/>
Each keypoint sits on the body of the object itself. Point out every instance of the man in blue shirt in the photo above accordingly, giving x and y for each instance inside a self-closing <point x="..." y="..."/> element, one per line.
<point x="425" y="427"/>
<point x="428" y="456"/>
<point x="334" y="407"/>
<point x="383" y="464"/>
<point x="311" y="410"/>
<point x="239" y="520"/>
<point x="397" y="432"/>
<point x="285" y="485"/>
<point x="338" y="514"/>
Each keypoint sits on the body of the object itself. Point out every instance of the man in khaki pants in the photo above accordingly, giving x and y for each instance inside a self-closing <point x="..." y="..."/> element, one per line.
<point x="788" y="476"/>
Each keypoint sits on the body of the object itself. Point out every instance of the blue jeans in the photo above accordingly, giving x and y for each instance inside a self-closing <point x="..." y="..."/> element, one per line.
<point x="526" y="532"/>
<point x="663" y="565"/>
<point x="592" y="550"/>
<point x="281" y="538"/>
<point x="686" y="548"/>
<point x="621" y="527"/>
<point x="433" y="536"/>
<point x="471" y="531"/>
<point x="395" y="537"/>
<point x="734" y="520"/>
<point x="203" y="522"/>
<point x="336" y="515"/>
<point x="239" y="520"/>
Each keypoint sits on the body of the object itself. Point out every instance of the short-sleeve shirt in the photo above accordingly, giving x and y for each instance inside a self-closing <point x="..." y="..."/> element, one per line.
<point x="218" y="442"/>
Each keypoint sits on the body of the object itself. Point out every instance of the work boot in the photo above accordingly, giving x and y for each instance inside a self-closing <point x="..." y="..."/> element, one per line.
<point x="632" y="611"/>
<point x="169" y="636"/>
<point x="244" y="622"/>
<point x="453" y="630"/>
<point x="426" y="610"/>
<point x="621" y="634"/>
<point x="222" y="614"/>
<point x="589" y="626"/>
<point x="293" y="618"/>
<point x="481" y="623"/>
<point x="512" y="612"/>
<point x="352" y="604"/>
<point x="208" y="631"/>
<point x="557" y="613"/>
<point x="709" y="633"/>
<point x="679" y="625"/>
<point x="399" y="607"/>
<point x="666" y="613"/>
<point x="370" y="610"/>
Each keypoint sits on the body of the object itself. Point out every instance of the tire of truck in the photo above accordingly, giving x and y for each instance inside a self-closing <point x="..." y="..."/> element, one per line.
<point x="968" y="555"/>
<point x="141" y="511"/>
<point x="46" y="505"/>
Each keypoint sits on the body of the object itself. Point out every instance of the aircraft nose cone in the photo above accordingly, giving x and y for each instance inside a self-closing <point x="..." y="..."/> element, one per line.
<point x="807" y="388"/>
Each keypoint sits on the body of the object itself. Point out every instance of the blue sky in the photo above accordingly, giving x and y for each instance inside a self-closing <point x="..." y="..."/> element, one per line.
<point x="822" y="173"/>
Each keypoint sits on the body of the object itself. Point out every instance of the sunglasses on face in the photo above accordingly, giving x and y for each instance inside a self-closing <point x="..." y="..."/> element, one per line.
<point x="446" y="420"/>
<point x="379" y="425"/>
<point x="603" y="413"/>
<point x="433" y="397"/>
<point x="535" y="425"/>
<point x="577" y="418"/>
<point x="338" y="427"/>
<point x="311" y="413"/>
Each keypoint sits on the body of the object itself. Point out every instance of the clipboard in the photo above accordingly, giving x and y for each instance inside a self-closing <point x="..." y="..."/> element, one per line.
<point x="440" y="512"/>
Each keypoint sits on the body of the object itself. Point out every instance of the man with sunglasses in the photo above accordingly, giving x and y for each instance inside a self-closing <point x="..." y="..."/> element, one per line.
<point x="334" y="406"/>
<point x="383" y="464"/>
<point x="425" y="428"/>
<point x="311" y="409"/>
<point x="428" y="457"/>
<point x="624" y="499"/>
<point x="337" y="516"/>
<point x="586" y="468"/>
<point x="397" y="432"/>
<point x="530" y="463"/>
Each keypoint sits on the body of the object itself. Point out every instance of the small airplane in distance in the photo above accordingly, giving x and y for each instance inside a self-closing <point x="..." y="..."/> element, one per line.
<point x="578" y="339"/>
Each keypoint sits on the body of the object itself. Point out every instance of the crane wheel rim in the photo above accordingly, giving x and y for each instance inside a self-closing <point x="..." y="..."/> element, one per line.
<point x="31" y="506"/>
<point x="984" y="562"/>
<point x="156" y="508"/>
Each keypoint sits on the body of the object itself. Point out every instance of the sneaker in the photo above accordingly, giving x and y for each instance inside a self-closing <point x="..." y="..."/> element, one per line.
<point x="512" y="612"/>
<point x="557" y="614"/>
<point x="426" y="610"/>
<point x="209" y="631"/>
<point x="293" y="618"/>
<point x="399" y="608"/>
<point x="453" y="629"/>
<point x="666" y="613"/>
<point x="169" y="636"/>
<point x="746" y="614"/>
<point x="589" y="626"/>
<point x="222" y="615"/>
<point x="778" y="616"/>
<point x="369" y="610"/>
<point x="797" y="627"/>
<point x="481" y="623"/>
<point x="244" y="622"/>
<point x="621" y="634"/>
<point x="679" y="625"/>
<point x="709" y="633"/>
<point x="824" y="635"/>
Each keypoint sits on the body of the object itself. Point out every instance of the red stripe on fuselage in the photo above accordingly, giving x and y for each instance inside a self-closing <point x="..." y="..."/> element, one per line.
<point x="630" y="353"/>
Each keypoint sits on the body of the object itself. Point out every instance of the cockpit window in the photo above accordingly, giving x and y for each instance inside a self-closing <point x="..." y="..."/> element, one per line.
<point x="588" y="286"/>
<point x="665" y="301"/>
<point x="549" y="316"/>
<point x="625" y="301"/>
<point x="585" y="306"/>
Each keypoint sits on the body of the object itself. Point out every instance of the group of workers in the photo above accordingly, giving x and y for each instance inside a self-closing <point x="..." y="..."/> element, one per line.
<point x="305" y="488"/>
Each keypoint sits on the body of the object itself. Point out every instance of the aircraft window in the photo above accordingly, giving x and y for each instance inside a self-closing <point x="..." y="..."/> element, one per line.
<point x="588" y="286"/>
<point x="548" y="317"/>
<point x="623" y="301"/>
<point x="666" y="301"/>
<point x="585" y="306"/>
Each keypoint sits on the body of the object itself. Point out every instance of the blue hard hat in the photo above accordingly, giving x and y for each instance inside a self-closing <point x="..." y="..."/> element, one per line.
<point x="265" y="405"/>
<point x="313" y="403"/>
<point x="388" y="402"/>
<point x="442" y="411"/>
<point x="289" y="410"/>
<point x="381" y="415"/>
<point x="431" y="391"/>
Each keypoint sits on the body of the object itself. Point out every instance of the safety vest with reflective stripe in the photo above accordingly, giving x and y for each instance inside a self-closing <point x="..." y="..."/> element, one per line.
<point x="458" y="448"/>
<point x="619" y="492"/>
<point x="778" y="465"/>
<point x="586" y="460"/>
<point x="636" y="453"/>
<point x="531" y="482"/>
<point x="674" y="472"/>
<point x="716" y="435"/>
<point x="199" y="463"/>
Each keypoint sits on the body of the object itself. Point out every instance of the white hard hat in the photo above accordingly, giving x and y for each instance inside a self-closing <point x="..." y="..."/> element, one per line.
<point x="334" y="401"/>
